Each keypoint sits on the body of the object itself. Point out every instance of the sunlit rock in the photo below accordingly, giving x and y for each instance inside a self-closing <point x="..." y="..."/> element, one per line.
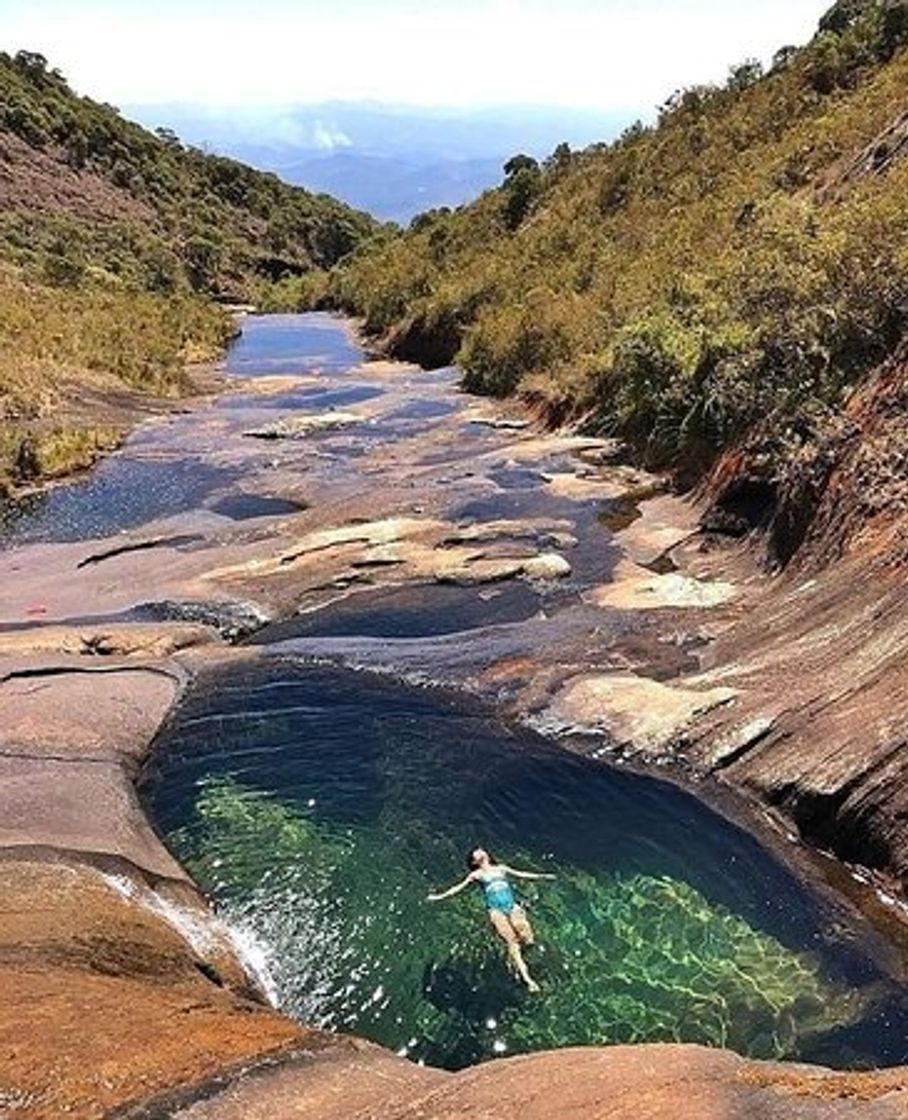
<point x="642" y="714"/>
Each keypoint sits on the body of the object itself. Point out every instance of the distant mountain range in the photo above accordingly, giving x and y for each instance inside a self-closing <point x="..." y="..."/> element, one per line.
<point x="393" y="188"/>
<point x="393" y="161"/>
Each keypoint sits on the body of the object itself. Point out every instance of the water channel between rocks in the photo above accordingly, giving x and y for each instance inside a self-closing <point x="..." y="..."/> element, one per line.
<point x="318" y="805"/>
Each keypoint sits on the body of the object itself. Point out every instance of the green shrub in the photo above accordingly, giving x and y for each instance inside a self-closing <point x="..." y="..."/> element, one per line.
<point x="691" y="280"/>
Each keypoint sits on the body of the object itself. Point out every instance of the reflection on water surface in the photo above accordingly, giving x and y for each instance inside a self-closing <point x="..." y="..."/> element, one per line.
<point x="319" y="807"/>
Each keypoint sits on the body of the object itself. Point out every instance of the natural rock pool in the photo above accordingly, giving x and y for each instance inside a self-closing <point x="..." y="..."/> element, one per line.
<point x="318" y="807"/>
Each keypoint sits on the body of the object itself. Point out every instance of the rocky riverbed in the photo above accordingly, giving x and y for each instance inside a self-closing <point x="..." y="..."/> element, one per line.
<point x="529" y="568"/>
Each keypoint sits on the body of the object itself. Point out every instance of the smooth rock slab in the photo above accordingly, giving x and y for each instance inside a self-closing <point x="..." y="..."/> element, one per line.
<point x="644" y="714"/>
<point x="663" y="524"/>
<point x="635" y="589"/>
<point x="617" y="1083"/>
<point x="549" y="565"/>
<point x="616" y="482"/>
<point x="75" y="708"/>
<point x="85" y="807"/>
<point x="83" y="1044"/>
<point x="136" y="639"/>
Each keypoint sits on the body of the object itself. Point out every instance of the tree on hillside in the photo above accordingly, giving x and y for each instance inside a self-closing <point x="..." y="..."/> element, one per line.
<point x="560" y="159"/>
<point x="523" y="181"/>
<point x="520" y="163"/>
<point x="31" y="65"/>
<point x="169" y="138"/>
<point x="745" y="74"/>
<point x="784" y="56"/>
<point x="843" y="15"/>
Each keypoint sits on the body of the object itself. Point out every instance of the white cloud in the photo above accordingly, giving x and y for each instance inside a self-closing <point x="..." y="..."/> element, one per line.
<point x="329" y="138"/>
<point x="609" y="54"/>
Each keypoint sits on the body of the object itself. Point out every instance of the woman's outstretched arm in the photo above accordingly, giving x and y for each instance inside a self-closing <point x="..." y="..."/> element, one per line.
<point x="451" y="891"/>
<point x="528" y="874"/>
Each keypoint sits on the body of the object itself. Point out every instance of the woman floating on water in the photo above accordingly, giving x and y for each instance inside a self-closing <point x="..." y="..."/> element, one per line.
<point x="505" y="912"/>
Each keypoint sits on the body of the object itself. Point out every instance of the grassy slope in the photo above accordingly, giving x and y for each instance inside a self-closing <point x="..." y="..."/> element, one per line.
<point x="689" y="281"/>
<point x="86" y="193"/>
<point x="112" y="242"/>
<point x="77" y="365"/>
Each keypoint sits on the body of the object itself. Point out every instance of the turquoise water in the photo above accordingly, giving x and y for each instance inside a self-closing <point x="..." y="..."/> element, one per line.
<point x="319" y="807"/>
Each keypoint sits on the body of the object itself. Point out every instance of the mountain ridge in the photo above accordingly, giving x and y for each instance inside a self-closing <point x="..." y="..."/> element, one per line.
<point x="203" y="222"/>
<point x="394" y="161"/>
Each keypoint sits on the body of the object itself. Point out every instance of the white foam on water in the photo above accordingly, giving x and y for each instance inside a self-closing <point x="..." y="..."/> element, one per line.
<point x="204" y="932"/>
<point x="196" y="930"/>
<point x="255" y="957"/>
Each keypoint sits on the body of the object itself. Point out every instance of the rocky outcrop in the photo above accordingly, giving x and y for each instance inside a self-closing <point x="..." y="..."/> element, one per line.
<point x="817" y="728"/>
<point x="818" y="661"/>
<point x="619" y="1083"/>
<point x="431" y="343"/>
<point x="820" y="485"/>
<point x="864" y="502"/>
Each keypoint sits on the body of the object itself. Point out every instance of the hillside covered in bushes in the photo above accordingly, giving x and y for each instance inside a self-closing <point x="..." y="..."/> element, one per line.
<point x="736" y="269"/>
<point x="114" y="244"/>
<point x="85" y="194"/>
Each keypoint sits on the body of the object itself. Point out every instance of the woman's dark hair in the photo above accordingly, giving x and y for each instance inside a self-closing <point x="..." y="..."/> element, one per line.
<point x="472" y="861"/>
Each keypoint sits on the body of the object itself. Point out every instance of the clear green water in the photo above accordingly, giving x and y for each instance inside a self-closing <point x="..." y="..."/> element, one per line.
<point x="319" y="807"/>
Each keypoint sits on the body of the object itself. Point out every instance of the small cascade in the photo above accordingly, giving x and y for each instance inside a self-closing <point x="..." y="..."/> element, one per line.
<point x="255" y="956"/>
<point x="204" y="932"/>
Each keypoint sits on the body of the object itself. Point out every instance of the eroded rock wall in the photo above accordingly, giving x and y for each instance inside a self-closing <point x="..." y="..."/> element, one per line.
<point x="821" y="662"/>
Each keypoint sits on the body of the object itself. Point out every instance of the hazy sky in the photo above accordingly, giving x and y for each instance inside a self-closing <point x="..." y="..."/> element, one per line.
<point x="608" y="54"/>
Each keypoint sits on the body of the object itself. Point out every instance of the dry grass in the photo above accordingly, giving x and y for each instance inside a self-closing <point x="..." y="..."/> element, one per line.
<point x="73" y="364"/>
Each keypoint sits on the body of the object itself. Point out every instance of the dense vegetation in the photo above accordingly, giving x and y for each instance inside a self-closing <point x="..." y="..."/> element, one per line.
<point x="109" y="201"/>
<point x="112" y="242"/>
<point x="745" y="258"/>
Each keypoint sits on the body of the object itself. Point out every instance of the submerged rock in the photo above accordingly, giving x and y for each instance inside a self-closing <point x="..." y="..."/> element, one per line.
<point x="296" y="427"/>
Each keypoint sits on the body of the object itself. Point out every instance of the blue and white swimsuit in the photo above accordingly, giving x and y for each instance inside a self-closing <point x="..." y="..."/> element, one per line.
<point x="497" y="891"/>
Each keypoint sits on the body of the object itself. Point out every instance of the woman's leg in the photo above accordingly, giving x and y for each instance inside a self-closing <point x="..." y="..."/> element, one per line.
<point x="522" y="927"/>
<point x="509" y="935"/>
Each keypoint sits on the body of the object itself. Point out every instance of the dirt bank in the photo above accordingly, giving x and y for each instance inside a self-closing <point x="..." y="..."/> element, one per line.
<point x="90" y="416"/>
